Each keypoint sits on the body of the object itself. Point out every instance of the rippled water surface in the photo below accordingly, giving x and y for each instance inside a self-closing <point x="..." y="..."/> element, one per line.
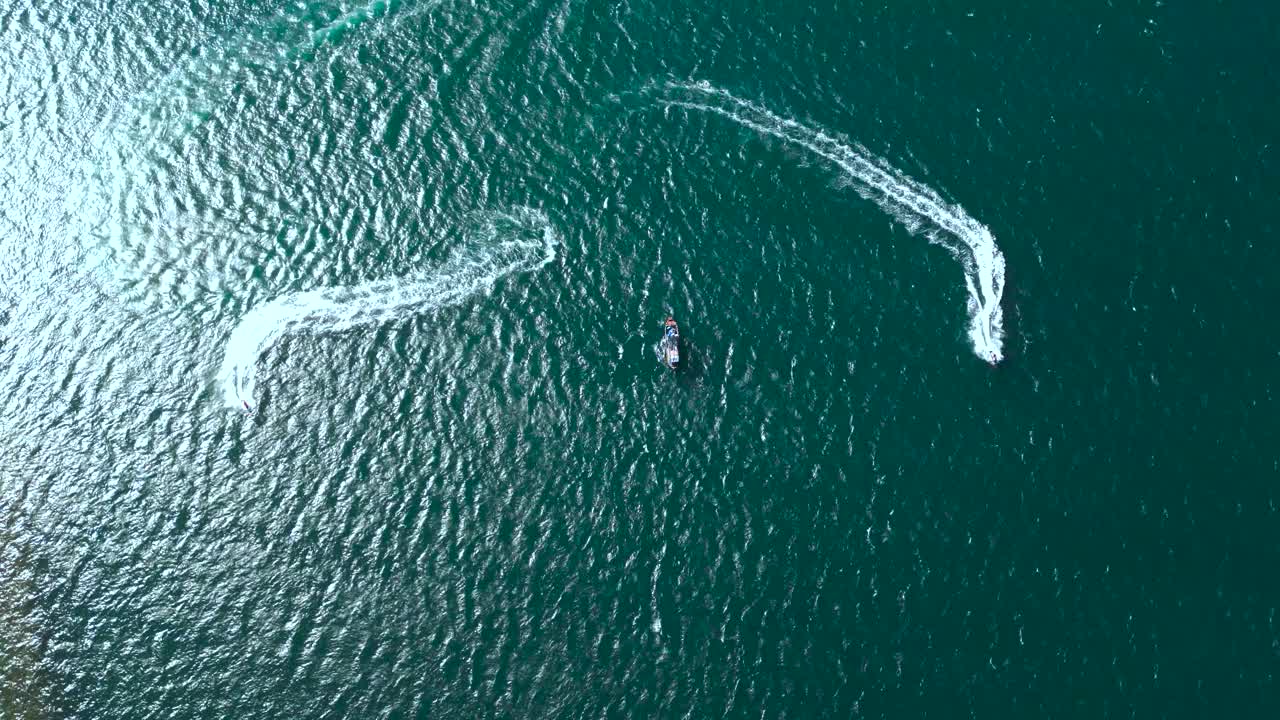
<point x="326" y="348"/>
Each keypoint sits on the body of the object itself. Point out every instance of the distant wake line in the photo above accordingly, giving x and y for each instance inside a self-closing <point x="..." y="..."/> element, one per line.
<point x="213" y="80"/>
<point x="152" y="186"/>
<point x="911" y="203"/>
<point x="208" y="81"/>
<point x="511" y="243"/>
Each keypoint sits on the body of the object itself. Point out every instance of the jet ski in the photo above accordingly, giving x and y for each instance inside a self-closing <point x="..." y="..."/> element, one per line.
<point x="670" y="345"/>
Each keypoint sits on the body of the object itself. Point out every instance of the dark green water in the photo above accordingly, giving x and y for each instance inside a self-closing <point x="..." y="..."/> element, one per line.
<point x="431" y="244"/>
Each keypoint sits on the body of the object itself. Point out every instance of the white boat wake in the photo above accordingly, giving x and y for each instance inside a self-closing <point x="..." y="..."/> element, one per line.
<point x="918" y="207"/>
<point x="513" y="242"/>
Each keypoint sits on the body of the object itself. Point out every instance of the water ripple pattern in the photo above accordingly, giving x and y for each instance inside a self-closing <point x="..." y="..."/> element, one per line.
<point x="915" y="205"/>
<point x="190" y="173"/>
<point x="468" y="490"/>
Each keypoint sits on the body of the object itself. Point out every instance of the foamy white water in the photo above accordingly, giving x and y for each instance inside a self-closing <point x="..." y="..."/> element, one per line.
<point x="918" y="207"/>
<point x="510" y="243"/>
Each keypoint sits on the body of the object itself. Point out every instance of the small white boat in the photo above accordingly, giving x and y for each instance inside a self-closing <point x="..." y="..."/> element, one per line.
<point x="670" y="346"/>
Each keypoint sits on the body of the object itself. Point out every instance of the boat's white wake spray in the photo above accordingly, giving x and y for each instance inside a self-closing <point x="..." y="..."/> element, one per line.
<point x="509" y="243"/>
<point x="915" y="205"/>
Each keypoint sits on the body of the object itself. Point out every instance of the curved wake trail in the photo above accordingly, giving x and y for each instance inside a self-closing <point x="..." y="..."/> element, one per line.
<point x="916" y="206"/>
<point x="511" y="243"/>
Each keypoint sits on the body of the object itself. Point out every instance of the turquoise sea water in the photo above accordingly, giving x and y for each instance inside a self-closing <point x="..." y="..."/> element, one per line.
<point x="430" y="245"/>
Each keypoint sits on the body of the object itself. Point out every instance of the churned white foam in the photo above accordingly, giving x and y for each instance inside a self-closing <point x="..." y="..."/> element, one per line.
<point x="511" y="242"/>
<point x="918" y="207"/>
